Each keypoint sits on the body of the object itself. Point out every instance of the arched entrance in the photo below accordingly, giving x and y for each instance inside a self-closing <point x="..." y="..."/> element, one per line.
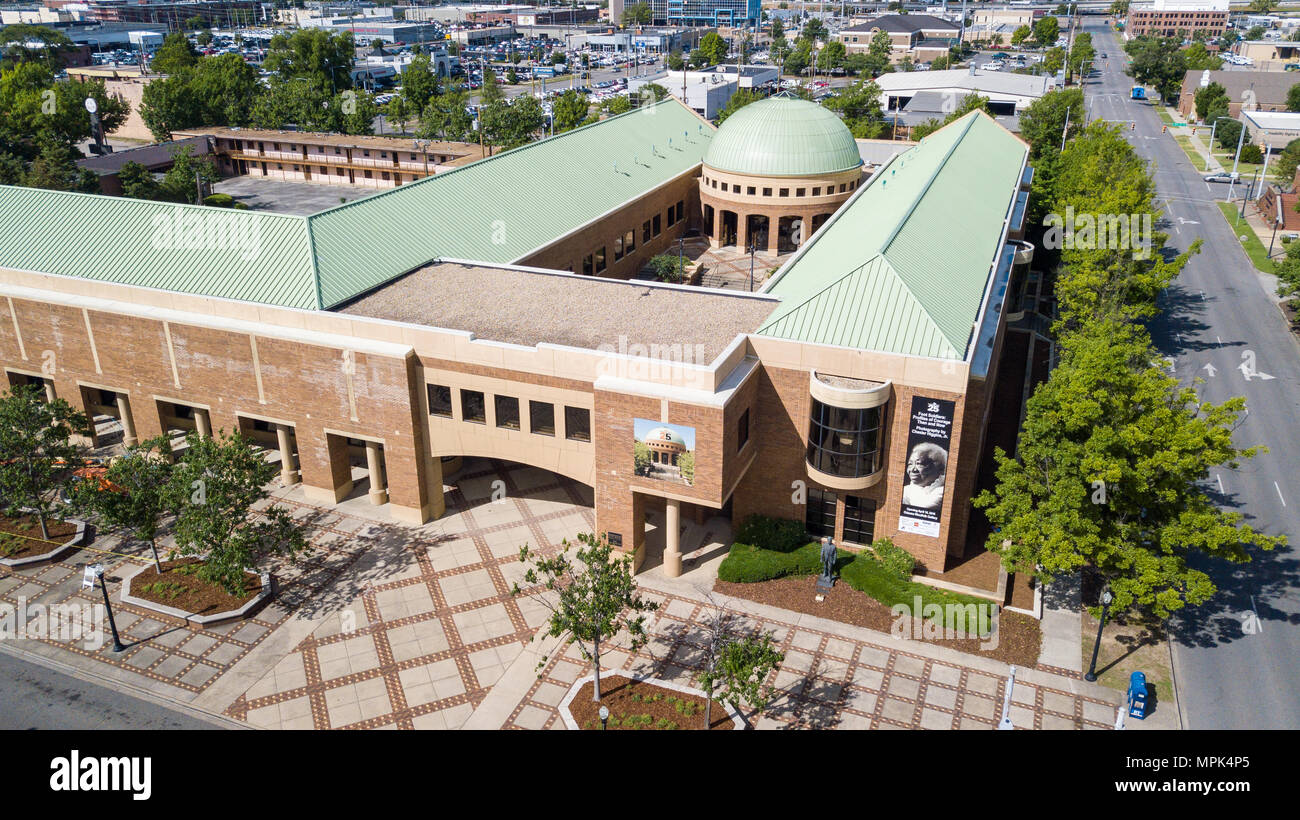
<point x="790" y="234"/>
<point x="756" y="231"/>
<point x="727" y="229"/>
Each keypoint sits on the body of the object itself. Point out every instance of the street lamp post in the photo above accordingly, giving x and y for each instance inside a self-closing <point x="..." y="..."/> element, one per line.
<point x="1246" y="194"/>
<point x="681" y="264"/>
<point x="98" y="569"/>
<point x="604" y="718"/>
<point x="1106" y="598"/>
<point x="752" y="249"/>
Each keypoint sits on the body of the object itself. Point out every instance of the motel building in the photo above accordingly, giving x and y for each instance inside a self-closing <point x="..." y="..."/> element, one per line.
<point x="375" y="347"/>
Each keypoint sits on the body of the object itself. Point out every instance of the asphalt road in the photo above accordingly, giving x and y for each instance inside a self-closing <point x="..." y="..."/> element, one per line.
<point x="1236" y="658"/>
<point x="35" y="696"/>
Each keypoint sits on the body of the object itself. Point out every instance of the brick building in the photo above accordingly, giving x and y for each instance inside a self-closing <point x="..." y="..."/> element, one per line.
<point x="1177" y="18"/>
<point x="921" y="37"/>
<point x="371" y="346"/>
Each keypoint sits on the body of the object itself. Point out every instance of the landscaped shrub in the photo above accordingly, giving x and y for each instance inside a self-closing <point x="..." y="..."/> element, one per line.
<point x="766" y="532"/>
<point x="219" y="201"/>
<point x="747" y="564"/>
<point x="868" y="575"/>
<point x="896" y="559"/>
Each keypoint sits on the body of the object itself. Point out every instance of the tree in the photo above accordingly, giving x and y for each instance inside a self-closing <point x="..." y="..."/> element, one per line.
<point x="1210" y="98"/>
<point x="37" y="457"/>
<point x="654" y="90"/>
<point x="713" y="48"/>
<point x="969" y="103"/>
<point x="1287" y="162"/>
<point x="831" y="56"/>
<point x="637" y="14"/>
<point x="859" y="105"/>
<point x="587" y="605"/>
<point x="132" y="496"/>
<point x="179" y="184"/>
<point x="667" y="267"/>
<point x="813" y="31"/>
<point x="1197" y="57"/>
<point x="204" y="38"/>
<point x="490" y="92"/>
<point x="1042" y="123"/>
<point x="737" y="662"/>
<point x="798" y="58"/>
<point x="397" y="110"/>
<point x="50" y="43"/>
<point x="615" y="105"/>
<point x="419" y="83"/>
<point x="55" y="168"/>
<point x="315" y="54"/>
<point x="213" y="491"/>
<point x="512" y="76"/>
<point x="512" y="124"/>
<point x="174" y="55"/>
<point x="1054" y="60"/>
<point x="1020" y="35"/>
<point x="1046" y="30"/>
<point x="1262" y="6"/>
<point x="741" y="98"/>
<point x="445" y="117"/>
<point x="1119" y="8"/>
<point x="675" y="60"/>
<point x="1229" y="134"/>
<point x="138" y="182"/>
<point x="570" y="110"/>
<point x="1293" y="98"/>
<point x="1255" y="33"/>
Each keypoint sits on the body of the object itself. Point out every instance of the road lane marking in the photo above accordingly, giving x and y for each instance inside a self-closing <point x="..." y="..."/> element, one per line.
<point x="1279" y="493"/>
<point x="1259" y="625"/>
<point x="1219" y="479"/>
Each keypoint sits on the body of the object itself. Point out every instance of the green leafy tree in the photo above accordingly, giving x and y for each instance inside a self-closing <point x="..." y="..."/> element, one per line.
<point x="55" y="168"/>
<point x="796" y="62"/>
<point x="615" y="105"/>
<point x="713" y="48"/>
<point x="1046" y="30"/>
<point x="179" y="183"/>
<point x="133" y="495"/>
<point x="138" y="182"/>
<point x="26" y="42"/>
<point x="39" y="110"/>
<point x="859" y="105"/>
<point x="445" y="117"/>
<point x="174" y="55"/>
<point x="637" y="14"/>
<point x="1054" y="60"/>
<point x="570" y="110"/>
<point x="831" y="56"/>
<point x="814" y="30"/>
<point x="1119" y="8"/>
<point x="512" y="124"/>
<point x="1255" y="33"/>
<point x="214" y="491"/>
<point x="490" y="92"/>
<point x="1287" y="161"/>
<point x="654" y="91"/>
<point x="1197" y="57"/>
<point x="1262" y="6"/>
<point x="1021" y="34"/>
<point x="741" y="98"/>
<point x="419" y="83"/>
<point x="737" y="664"/>
<point x="1293" y="98"/>
<point x="37" y="456"/>
<point x="671" y="268"/>
<point x="315" y="54"/>
<point x="596" y="602"/>
<point x="1042" y="123"/>
<point x="1229" y="132"/>
<point x="675" y="60"/>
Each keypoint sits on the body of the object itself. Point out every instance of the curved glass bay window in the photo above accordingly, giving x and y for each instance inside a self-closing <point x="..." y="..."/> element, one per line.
<point x="846" y="431"/>
<point x="844" y="442"/>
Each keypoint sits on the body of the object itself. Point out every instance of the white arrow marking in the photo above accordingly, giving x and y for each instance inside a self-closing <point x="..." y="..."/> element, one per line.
<point x="1219" y="479"/>
<point x="1210" y="368"/>
<point x="1279" y="493"/>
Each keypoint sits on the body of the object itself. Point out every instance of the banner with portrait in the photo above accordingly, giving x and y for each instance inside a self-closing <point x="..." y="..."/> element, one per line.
<point x="929" y="437"/>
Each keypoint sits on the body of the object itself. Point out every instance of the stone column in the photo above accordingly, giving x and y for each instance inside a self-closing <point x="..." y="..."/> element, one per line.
<point x="378" y="489"/>
<point x="742" y="230"/>
<point x="288" y="466"/>
<point x="202" y="422"/>
<point x="49" y="390"/>
<point x="128" y="423"/>
<point x="672" y="538"/>
<point x="774" y="235"/>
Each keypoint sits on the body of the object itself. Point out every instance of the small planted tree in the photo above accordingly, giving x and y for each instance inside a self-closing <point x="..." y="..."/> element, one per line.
<point x="132" y="495"/>
<point x="588" y="604"/>
<point x="37" y="458"/>
<point x="668" y="267"/>
<point x="212" y="492"/>
<point x="737" y="663"/>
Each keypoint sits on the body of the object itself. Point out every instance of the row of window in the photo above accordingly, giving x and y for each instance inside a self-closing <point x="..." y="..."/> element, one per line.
<point x="541" y="415"/>
<point x="859" y="517"/>
<point x="781" y="192"/>
<point x="595" y="262"/>
<point x="324" y="171"/>
<point x="844" y="442"/>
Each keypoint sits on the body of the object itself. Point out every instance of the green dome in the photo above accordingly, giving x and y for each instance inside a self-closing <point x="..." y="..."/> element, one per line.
<point x="783" y="137"/>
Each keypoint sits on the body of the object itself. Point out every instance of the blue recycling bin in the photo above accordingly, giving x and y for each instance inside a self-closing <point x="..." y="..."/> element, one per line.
<point x="1137" y="695"/>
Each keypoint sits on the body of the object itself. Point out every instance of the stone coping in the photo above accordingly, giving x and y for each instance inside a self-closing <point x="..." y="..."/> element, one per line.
<point x="200" y="620"/>
<point x="570" y="723"/>
<point x="77" y="540"/>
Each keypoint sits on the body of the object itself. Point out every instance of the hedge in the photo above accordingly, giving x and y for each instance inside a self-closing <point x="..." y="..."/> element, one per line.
<point x="778" y="534"/>
<point x="748" y="564"/>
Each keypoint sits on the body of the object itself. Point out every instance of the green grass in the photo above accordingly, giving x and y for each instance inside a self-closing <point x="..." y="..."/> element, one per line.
<point x="1253" y="247"/>
<point x="1164" y="115"/>
<point x="1196" y="158"/>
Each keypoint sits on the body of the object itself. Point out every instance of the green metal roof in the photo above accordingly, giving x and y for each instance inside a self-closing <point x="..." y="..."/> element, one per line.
<point x="255" y="256"/>
<point x="904" y="265"/>
<point x="499" y="210"/>
<point x="783" y="136"/>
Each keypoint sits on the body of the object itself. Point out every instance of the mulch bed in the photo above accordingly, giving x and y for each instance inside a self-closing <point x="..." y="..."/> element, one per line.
<point x="189" y="592"/>
<point x="1018" y="635"/>
<point x="627" y="698"/>
<point x="31" y="544"/>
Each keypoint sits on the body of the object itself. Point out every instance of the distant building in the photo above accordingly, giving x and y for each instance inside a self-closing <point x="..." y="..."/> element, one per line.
<point x="1269" y="55"/>
<point x="706" y="12"/>
<point x="214" y="13"/>
<point x="919" y="36"/>
<point x="128" y="82"/>
<point x="708" y="92"/>
<point x="158" y="157"/>
<point x="1007" y="93"/>
<point x="1170" y="18"/>
<point x="331" y="159"/>
<point x="1248" y="90"/>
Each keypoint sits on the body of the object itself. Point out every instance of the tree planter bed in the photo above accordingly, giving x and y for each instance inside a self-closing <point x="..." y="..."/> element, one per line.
<point x="68" y="534"/>
<point x="195" y="601"/>
<point x="635" y="697"/>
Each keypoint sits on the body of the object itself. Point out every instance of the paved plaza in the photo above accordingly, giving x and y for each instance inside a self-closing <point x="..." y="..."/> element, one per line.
<point x="385" y="625"/>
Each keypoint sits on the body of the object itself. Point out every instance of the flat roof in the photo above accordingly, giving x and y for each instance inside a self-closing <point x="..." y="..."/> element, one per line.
<point x="341" y="140"/>
<point x="528" y="306"/>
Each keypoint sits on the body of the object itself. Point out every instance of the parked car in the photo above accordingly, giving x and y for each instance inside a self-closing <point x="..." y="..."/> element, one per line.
<point x="1223" y="176"/>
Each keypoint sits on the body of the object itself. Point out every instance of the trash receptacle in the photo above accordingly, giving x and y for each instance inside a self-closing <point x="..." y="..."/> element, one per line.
<point x="1137" y="695"/>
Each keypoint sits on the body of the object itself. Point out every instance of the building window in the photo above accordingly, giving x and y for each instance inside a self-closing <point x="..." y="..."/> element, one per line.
<point x="841" y="187"/>
<point x="439" y="400"/>
<point x="859" y="520"/>
<point x="657" y="224"/>
<point x="588" y="264"/>
<point x="800" y="191"/>
<point x="577" y="424"/>
<point x="844" y="442"/>
<point x="681" y="210"/>
<point x="817" y="192"/>
<point x="629" y="241"/>
<point x="749" y="191"/>
<point x="820" y="519"/>
<point x="742" y="430"/>
<point x="618" y="248"/>
<point x="645" y="232"/>
<point x="724" y="187"/>
<point x="507" y="412"/>
<point x="367" y="175"/>
<point x="767" y="192"/>
<point x="785" y="192"/>
<point x="541" y="418"/>
<point x="472" y="407"/>
<point x="600" y="259"/>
